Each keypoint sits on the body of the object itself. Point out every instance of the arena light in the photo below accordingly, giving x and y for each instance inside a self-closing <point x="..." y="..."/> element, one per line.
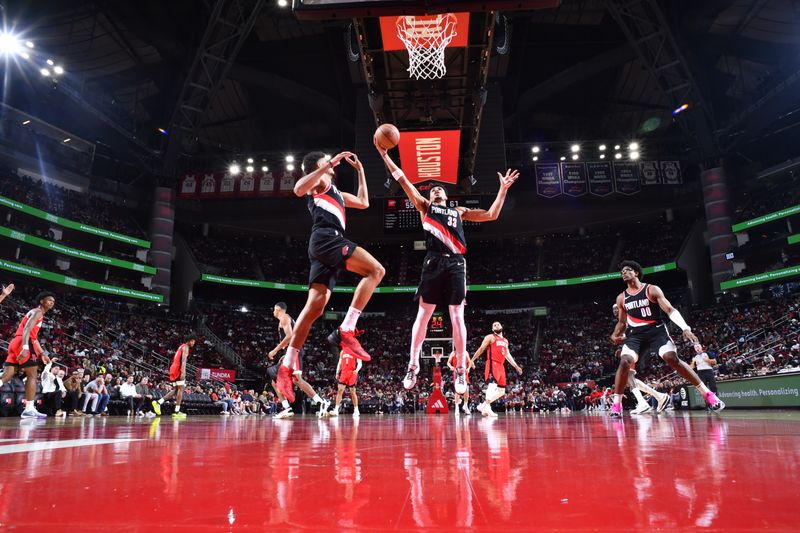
<point x="250" y="160"/>
<point x="162" y="131"/>
<point x="617" y="147"/>
<point x="680" y="109"/>
<point x="283" y="3"/>
<point x="24" y="55"/>
<point x="289" y="167"/>
<point x="243" y="309"/>
<point x="68" y="139"/>
<point x="9" y="44"/>
<point x="26" y="122"/>
<point x="290" y="159"/>
<point x="563" y="158"/>
<point x="602" y="156"/>
<point x="29" y="44"/>
<point x="634" y="156"/>
<point x="249" y="168"/>
<point x="633" y="146"/>
<point x="234" y="169"/>
<point x="59" y="70"/>
<point x="575" y="148"/>
<point x="44" y="72"/>
<point x="535" y="149"/>
<point x="50" y="62"/>
<point x="265" y="168"/>
<point x="602" y="147"/>
<point x="536" y="158"/>
<point x="574" y="157"/>
<point x="618" y="156"/>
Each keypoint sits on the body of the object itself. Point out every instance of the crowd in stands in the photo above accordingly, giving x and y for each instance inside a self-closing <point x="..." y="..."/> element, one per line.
<point x="766" y="198"/>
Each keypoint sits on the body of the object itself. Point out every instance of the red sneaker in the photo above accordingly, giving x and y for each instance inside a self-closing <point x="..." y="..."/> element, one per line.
<point x="351" y="344"/>
<point x="284" y="383"/>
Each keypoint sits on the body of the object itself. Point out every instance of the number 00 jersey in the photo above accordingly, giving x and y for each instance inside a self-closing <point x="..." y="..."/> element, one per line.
<point x="444" y="231"/>
<point x="643" y="313"/>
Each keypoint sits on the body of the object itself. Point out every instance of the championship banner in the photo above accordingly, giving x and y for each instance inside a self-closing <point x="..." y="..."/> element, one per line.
<point x="227" y="185"/>
<point x="671" y="173"/>
<point x="548" y="180"/>
<point x="600" y="181"/>
<point x="430" y="155"/>
<point x="266" y="184"/>
<point x="573" y="179"/>
<point x="649" y="171"/>
<point x="188" y="185"/>
<point x="216" y="374"/>
<point x="208" y="185"/>
<point x="626" y="177"/>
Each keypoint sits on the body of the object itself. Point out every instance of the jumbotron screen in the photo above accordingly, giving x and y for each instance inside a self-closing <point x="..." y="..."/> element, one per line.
<point x="400" y="216"/>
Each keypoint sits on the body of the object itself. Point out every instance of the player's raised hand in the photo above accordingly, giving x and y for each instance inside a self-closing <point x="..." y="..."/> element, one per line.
<point x="354" y="162"/>
<point x="509" y="178"/>
<point x="8" y="289"/>
<point x="335" y="160"/>
<point x="381" y="150"/>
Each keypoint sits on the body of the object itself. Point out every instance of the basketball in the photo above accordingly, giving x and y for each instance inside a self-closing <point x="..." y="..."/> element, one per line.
<point x="387" y="136"/>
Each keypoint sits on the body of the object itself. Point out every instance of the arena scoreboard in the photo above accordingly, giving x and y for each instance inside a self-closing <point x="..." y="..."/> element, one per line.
<point x="436" y="326"/>
<point x="400" y="216"/>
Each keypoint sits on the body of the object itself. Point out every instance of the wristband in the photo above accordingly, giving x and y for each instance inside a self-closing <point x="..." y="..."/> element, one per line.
<point x="397" y="174"/>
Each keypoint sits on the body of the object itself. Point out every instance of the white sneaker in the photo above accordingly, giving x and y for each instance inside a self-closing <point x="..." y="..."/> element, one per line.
<point x="32" y="413"/>
<point x="323" y="408"/>
<point x="286" y="413"/>
<point x="490" y="413"/>
<point x="482" y="408"/>
<point x="663" y="400"/>
<point x="335" y="412"/>
<point x="356" y="414"/>
<point x="465" y="407"/>
<point x="641" y="408"/>
<point x="461" y="381"/>
<point x="411" y="377"/>
<point x="457" y="410"/>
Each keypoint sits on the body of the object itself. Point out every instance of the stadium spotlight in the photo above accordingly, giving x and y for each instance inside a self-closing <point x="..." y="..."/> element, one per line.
<point x="283" y="3"/>
<point x="575" y="148"/>
<point x="680" y="109"/>
<point x="265" y="168"/>
<point x="162" y="131"/>
<point x="24" y="55"/>
<point x="617" y="147"/>
<point x="563" y="158"/>
<point x="68" y="139"/>
<point x="535" y="149"/>
<point x="29" y="44"/>
<point x="58" y="70"/>
<point x="602" y="147"/>
<point x="602" y="156"/>
<point x="50" y="62"/>
<point x="536" y="158"/>
<point x="234" y="169"/>
<point x="44" y="72"/>
<point x="249" y="168"/>
<point x="289" y="167"/>
<point x="243" y="309"/>
<point x="634" y="156"/>
<point x="633" y="146"/>
<point x="9" y="45"/>
<point x="290" y="159"/>
<point x="618" y="156"/>
<point x="26" y="122"/>
<point x="250" y="160"/>
<point x="574" y="157"/>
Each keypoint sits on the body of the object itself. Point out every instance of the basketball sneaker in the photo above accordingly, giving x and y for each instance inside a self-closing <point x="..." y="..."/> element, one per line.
<point x="641" y="408"/>
<point x="32" y="413"/>
<point x="348" y="342"/>
<point x="286" y="413"/>
<point x="483" y="409"/>
<point x="323" y="408"/>
<point x="616" y="410"/>
<point x="284" y="383"/>
<point x="156" y="407"/>
<point x="465" y="407"/>
<point x="180" y="415"/>
<point x="356" y="414"/>
<point x="714" y="403"/>
<point x="663" y="401"/>
<point x="335" y="411"/>
<point x="461" y="381"/>
<point x="411" y="377"/>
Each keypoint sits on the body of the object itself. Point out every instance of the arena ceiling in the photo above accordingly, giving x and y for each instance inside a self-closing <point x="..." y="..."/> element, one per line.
<point x="571" y="74"/>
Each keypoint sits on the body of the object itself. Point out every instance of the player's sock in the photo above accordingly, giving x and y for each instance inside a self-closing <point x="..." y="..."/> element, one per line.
<point x="290" y="357"/>
<point x="350" y="319"/>
<point x="161" y="401"/>
<point x="177" y="408"/>
<point x="617" y="398"/>
<point x="29" y="405"/>
<point x="285" y="404"/>
<point x="703" y="389"/>
<point x="316" y="399"/>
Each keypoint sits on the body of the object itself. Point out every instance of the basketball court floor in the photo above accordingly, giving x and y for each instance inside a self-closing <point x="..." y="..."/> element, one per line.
<point x="729" y="472"/>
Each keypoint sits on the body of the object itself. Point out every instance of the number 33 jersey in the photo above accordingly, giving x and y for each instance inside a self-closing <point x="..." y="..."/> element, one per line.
<point x="444" y="231"/>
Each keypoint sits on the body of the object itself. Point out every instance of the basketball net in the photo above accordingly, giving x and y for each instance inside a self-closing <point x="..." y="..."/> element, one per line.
<point x="425" y="39"/>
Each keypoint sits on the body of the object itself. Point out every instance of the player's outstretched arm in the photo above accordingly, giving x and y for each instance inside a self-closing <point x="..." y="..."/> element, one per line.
<point x="7" y="290"/>
<point x="487" y="340"/>
<point x="307" y="183"/>
<point x="488" y="215"/>
<point x="622" y="322"/>
<point x="360" y="200"/>
<point x="656" y="294"/>
<point x="419" y="201"/>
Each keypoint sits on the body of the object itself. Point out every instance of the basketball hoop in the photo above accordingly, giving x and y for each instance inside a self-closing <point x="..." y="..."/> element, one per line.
<point x="425" y="39"/>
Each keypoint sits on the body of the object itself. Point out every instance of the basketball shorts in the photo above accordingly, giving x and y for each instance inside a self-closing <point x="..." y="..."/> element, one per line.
<point x="655" y="338"/>
<point x="348" y="378"/>
<point x="175" y="373"/>
<point x="272" y="371"/>
<point x="15" y="353"/>
<point x="444" y="279"/>
<point x="328" y="250"/>
<point x="495" y="372"/>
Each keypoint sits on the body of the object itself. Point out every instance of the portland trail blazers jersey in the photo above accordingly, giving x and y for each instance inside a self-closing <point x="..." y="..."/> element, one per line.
<point x="327" y="209"/>
<point x="641" y="310"/>
<point x="444" y="231"/>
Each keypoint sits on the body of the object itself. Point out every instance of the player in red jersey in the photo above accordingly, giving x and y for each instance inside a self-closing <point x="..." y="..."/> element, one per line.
<point x="495" y="374"/>
<point x="177" y="375"/>
<point x="347" y="374"/>
<point x="460" y="399"/>
<point x="25" y="352"/>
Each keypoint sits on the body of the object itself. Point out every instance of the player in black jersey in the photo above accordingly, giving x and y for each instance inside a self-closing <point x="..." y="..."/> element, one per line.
<point x="285" y="329"/>
<point x="444" y="272"/>
<point x="641" y="326"/>
<point x="329" y="252"/>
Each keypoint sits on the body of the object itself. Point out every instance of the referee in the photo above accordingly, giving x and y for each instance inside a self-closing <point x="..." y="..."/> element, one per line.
<point x="704" y="366"/>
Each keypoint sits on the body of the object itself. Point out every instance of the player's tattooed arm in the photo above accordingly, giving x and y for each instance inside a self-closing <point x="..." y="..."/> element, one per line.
<point x="488" y="215"/>
<point x="487" y="340"/>
<point x="311" y="180"/>
<point x="618" y="336"/>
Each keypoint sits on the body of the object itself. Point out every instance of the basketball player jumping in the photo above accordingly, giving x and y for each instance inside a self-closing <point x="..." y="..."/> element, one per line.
<point x="495" y="373"/>
<point x="460" y="399"/>
<point x="638" y="386"/>
<point x="177" y="376"/>
<point x="444" y="273"/>
<point x="330" y="251"/>
<point x="25" y="352"/>
<point x="347" y="374"/>
<point x="641" y="312"/>
<point x="285" y="330"/>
